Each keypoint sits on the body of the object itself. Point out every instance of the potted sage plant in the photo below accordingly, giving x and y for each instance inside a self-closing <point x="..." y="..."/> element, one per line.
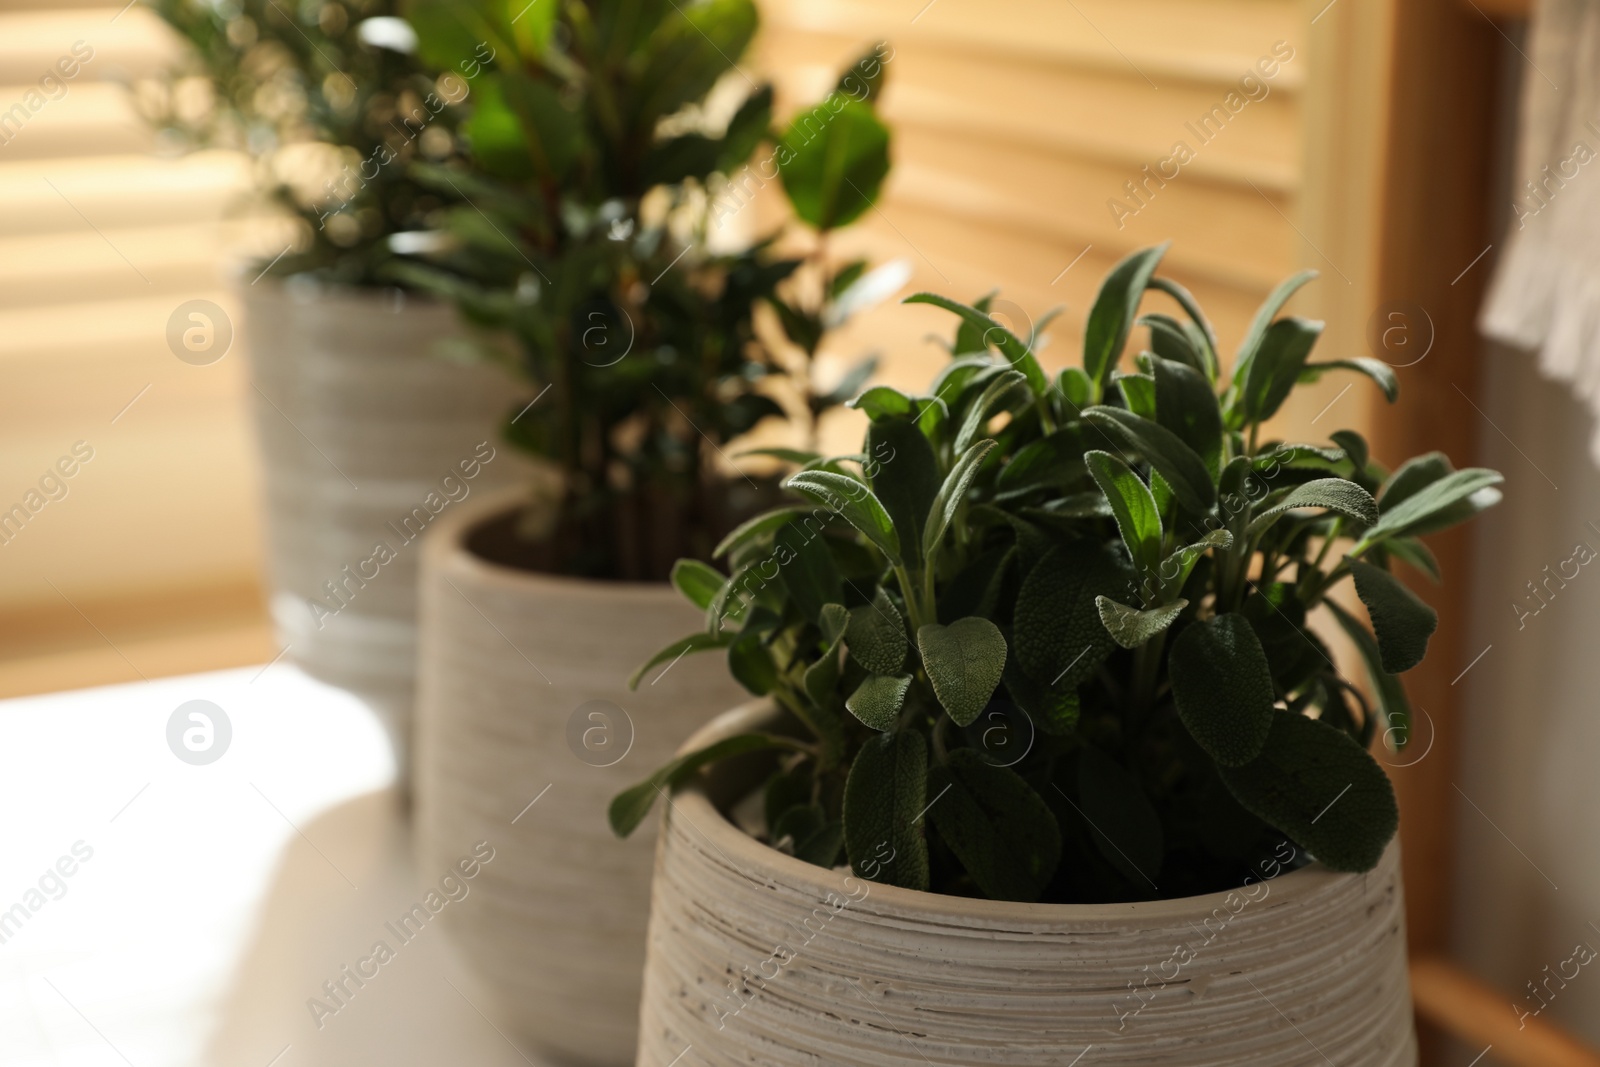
<point x="1048" y="752"/>
<point x="599" y="226"/>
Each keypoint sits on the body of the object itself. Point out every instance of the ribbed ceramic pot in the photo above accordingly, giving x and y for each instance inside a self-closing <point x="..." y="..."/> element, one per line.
<point x="758" y="958"/>
<point x="366" y="435"/>
<point x="525" y="731"/>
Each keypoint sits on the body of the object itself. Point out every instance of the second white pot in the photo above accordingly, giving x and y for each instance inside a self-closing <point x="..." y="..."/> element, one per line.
<point x="525" y="731"/>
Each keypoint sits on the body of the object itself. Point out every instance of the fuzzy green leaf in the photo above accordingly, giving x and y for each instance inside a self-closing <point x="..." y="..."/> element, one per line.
<point x="751" y="665"/>
<point x="1138" y="519"/>
<point x="877" y="700"/>
<point x="950" y="496"/>
<point x="1402" y="622"/>
<point x="1314" y="783"/>
<point x="1054" y="461"/>
<point x="1164" y="450"/>
<point x="964" y="662"/>
<point x="697" y="582"/>
<point x="1262" y="322"/>
<point x="853" y="502"/>
<point x="1002" y="831"/>
<point x="1379" y="371"/>
<point x="1130" y="627"/>
<point x="1443" y="503"/>
<point x="1393" y="703"/>
<point x="1115" y="307"/>
<point x="884" y="798"/>
<point x="1272" y="374"/>
<point x="760" y="526"/>
<point x="1186" y="405"/>
<point x="981" y="410"/>
<point x="1205" y="338"/>
<point x="1222" y="687"/>
<point x="1138" y="393"/>
<point x="876" y="636"/>
<point x="1334" y="494"/>
<point x="695" y="642"/>
<point x="628" y="808"/>
<point x="905" y="475"/>
<point x="1058" y="637"/>
<point x="1016" y="352"/>
<point x="1177" y="567"/>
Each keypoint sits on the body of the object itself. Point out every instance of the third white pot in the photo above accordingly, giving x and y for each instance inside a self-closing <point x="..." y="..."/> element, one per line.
<point x="757" y="957"/>
<point x="365" y="433"/>
<point x="525" y="731"/>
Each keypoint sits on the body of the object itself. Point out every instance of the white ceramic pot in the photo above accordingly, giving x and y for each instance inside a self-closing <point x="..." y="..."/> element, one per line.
<point x="359" y="420"/>
<point x="757" y="957"/>
<point x="525" y="731"/>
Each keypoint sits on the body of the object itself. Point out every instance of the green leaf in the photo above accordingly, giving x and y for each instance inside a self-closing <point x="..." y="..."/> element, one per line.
<point x="697" y="582"/>
<point x="832" y="163"/>
<point x="746" y="129"/>
<point x="695" y="642"/>
<point x="852" y="501"/>
<point x="981" y="410"/>
<point x="1393" y="703"/>
<point x="951" y="495"/>
<point x="1019" y="354"/>
<point x="806" y="567"/>
<point x="904" y="474"/>
<point x="751" y="665"/>
<point x="877" y="635"/>
<point x="1412" y="477"/>
<point x="883" y="402"/>
<point x="878" y="700"/>
<point x="1223" y="688"/>
<point x="1124" y="825"/>
<point x="1205" y="337"/>
<point x="788" y="788"/>
<point x="1272" y="374"/>
<point x="628" y="808"/>
<point x="1184" y="471"/>
<point x="1354" y="445"/>
<point x="1138" y="392"/>
<point x="758" y="527"/>
<point x="1130" y="627"/>
<point x="1401" y="620"/>
<point x="1177" y="567"/>
<point x="1170" y="340"/>
<point x="1138" y="518"/>
<point x="1449" y="500"/>
<point x="1054" y="461"/>
<point x="1314" y="783"/>
<point x="884" y="797"/>
<point x="1379" y="371"/>
<point x="1053" y="709"/>
<point x="822" y="677"/>
<point x="1002" y="831"/>
<point x="964" y="662"/>
<point x="1186" y="405"/>
<point x="1415" y="553"/>
<point x="1334" y="494"/>
<point x="1115" y="307"/>
<point x="1057" y="636"/>
<point x="1262" y="322"/>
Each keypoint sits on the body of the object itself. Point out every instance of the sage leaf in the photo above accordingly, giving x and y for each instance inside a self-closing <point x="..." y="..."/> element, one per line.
<point x="695" y="642"/>
<point x="905" y="476"/>
<point x="1114" y="309"/>
<point x="1332" y="494"/>
<point x="1003" y="832"/>
<point x="628" y="808"/>
<point x="1380" y="372"/>
<point x="753" y="529"/>
<point x="877" y="700"/>
<point x="1223" y="688"/>
<point x="1451" y="499"/>
<point x="1393" y="703"/>
<point x="1272" y="374"/>
<point x="698" y="583"/>
<point x="1402" y="622"/>
<point x="1184" y="470"/>
<point x="1263" y="321"/>
<point x="1131" y="627"/>
<point x="1138" y="519"/>
<point x="1315" y="784"/>
<point x="964" y="662"/>
<point x="951" y="494"/>
<point x="852" y="501"/>
<point x="876" y="636"/>
<point x="1058" y="636"/>
<point x="1186" y="405"/>
<point x="1018" y="354"/>
<point x="884" y="798"/>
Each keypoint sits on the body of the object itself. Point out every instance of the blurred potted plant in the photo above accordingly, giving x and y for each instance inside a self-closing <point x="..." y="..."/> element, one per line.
<point x="1044" y="725"/>
<point x="612" y="146"/>
<point x="366" y="433"/>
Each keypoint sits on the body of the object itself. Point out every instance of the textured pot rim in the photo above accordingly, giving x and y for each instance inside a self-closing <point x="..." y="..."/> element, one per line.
<point x="696" y="807"/>
<point x="444" y="550"/>
<point x="303" y="289"/>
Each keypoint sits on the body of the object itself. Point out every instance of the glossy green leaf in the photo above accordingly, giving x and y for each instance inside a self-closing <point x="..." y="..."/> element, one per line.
<point x="1223" y="688"/>
<point x="832" y="162"/>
